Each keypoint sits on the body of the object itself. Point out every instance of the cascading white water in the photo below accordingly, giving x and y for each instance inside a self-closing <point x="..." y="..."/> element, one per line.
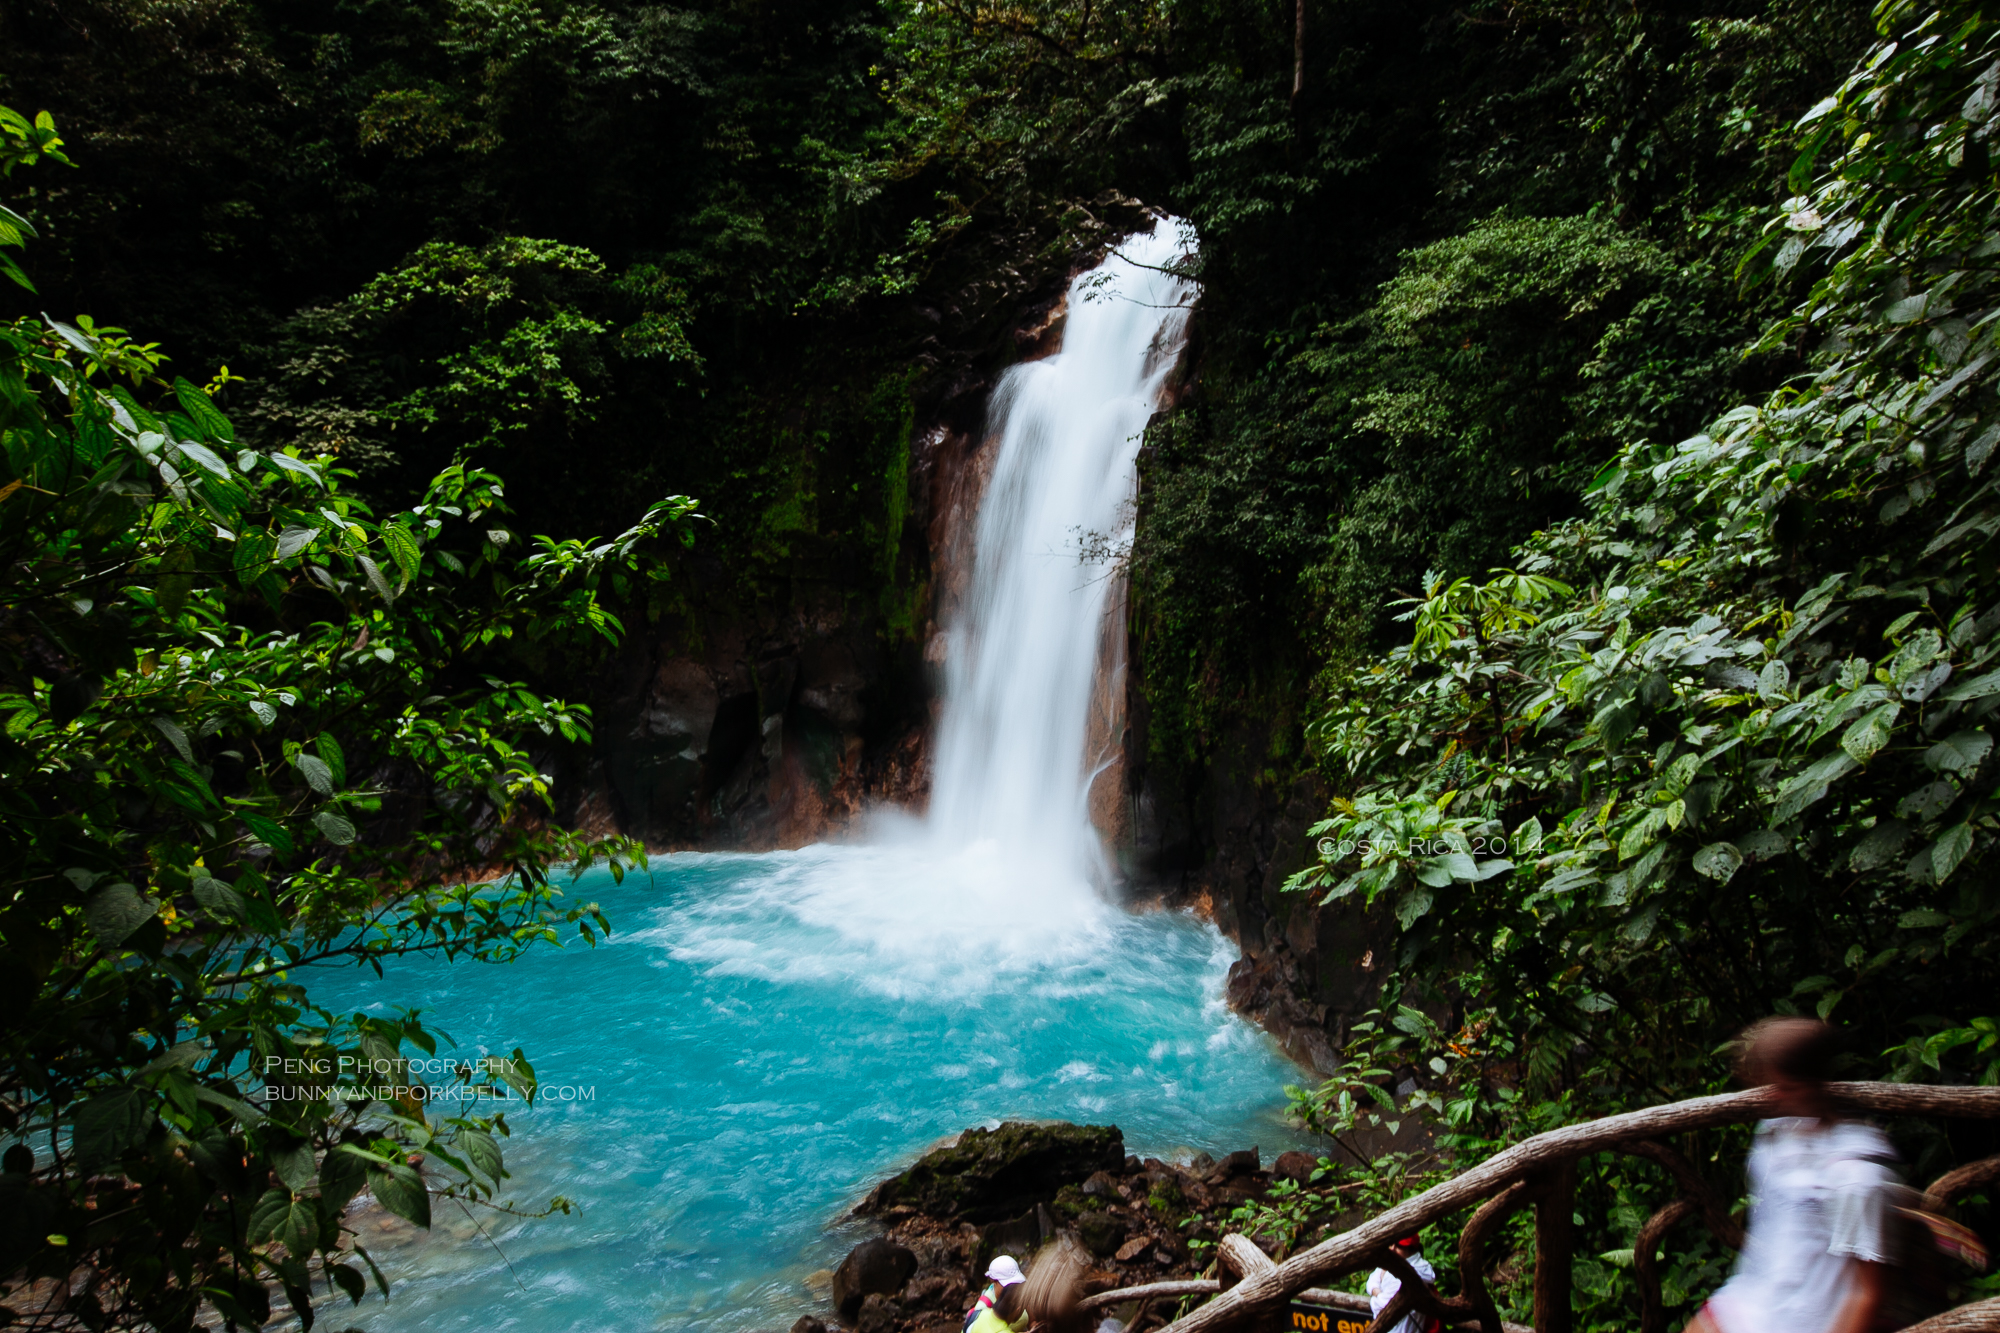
<point x="1011" y="776"/>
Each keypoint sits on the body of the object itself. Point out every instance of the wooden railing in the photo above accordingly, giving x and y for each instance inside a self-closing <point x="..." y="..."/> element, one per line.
<point x="1542" y="1171"/>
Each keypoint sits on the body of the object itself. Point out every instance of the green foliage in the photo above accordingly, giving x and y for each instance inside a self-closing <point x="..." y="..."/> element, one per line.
<point x="1732" y="727"/>
<point x="1428" y="316"/>
<point x="515" y="344"/>
<point x="250" y="726"/>
<point x="1776" y="673"/>
<point x="22" y="143"/>
<point x="1729" y="733"/>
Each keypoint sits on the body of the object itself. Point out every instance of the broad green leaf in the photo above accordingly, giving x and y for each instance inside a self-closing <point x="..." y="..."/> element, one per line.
<point x="1866" y="737"/>
<point x="316" y="773"/>
<point x="484" y="1154"/>
<point x="1431" y="872"/>
<point x="293" y="540"/>
<point x="401" y="1190"/>
<point x="342" y="1175"/>
<point x="267" y="1215"/>
<point x="108" y="1123"/>
<point x="336" y="828"/>
<point x="286" y="463"/>
<point x="252" y="557"/>
<point x="180" y="1056"/>
<point x="207" y="458"/>
<point x="177" y="737"/>
<point x="1922" y="918"/>
<point x="294" y="1164"/>
<point x="1927" y="802"/>
<point x="1976" y="688"/>
<point x="1457" y="865"/>
<point x="1905" y="311"/>
<point x="297" y="1228"/>
<point x="336" y="759"/>
<point x="267" y="831"/>
<point x="1950" y="849"/>
<point x="349" y="1280"/>
<point x="376" y="579"/>
<point x="1881" y="847"/>
<point x="1416" y="901"/>
<point x="1641" y="834"/>
<point x="204" y="413"/>
<point x="402" y="548"/>
<point x="1959" y="752"/>
<point x="117" y="910"/>
<point x="1718" y="861"/>
<point x="220" y="900"/>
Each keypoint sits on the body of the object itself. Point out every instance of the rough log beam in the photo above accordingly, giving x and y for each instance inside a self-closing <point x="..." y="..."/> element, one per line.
<point x="1351" y="1249"/>
<point x="1555" y="1246"/>
<point x="1713" y="1210"/>
<point x="1422" y="1294"/>
<point x="1646" y="1263"/>
<point x="1954" y="1183"/>
<point x="1241" y="1258"/>
<point x="1392" y="1313"/>
<point x="1472" y="1252"/>
<point x="1208" y="1286"/>
<point x="1196" y="1286"/>
<point x="1979" y="1317"/>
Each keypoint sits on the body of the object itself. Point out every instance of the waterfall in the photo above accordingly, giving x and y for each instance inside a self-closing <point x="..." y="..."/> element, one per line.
<point x="1012" y="777"/>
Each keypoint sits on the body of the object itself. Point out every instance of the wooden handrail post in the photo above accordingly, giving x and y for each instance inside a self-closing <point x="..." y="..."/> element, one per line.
<point x="1554" y="1246"/>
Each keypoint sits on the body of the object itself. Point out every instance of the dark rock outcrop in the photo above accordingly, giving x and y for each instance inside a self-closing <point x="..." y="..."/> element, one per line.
<point x="991" y="1174"/>
<point x="1295" y="1166"/>
<point x="1101" y="1233"/>
<point x="873" y="1269"/>
<point x="1133" y="1219"/>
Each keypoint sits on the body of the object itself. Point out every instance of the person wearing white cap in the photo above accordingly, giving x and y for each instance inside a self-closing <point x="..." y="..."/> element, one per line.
<point x="998" y="1309"/>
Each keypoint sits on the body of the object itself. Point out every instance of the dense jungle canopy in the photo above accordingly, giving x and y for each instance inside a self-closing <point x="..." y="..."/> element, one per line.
<point x="1584" y="442"/>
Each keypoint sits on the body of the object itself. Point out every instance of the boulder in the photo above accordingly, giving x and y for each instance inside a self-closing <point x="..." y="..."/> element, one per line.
<point x="932" y="1289"/>
<point x="872" y="1268"/>
<point x="1101" y="1233"/>
<point x="1243" y="1163"/>
<point x="878" y="1314"/>
<point x="1295" y="1166"/>
<point x="990" y="1174"/>
<point x="1102" y="1185"/>
<point x="807" y="1324"/>
<point x="1017" y="1236"/>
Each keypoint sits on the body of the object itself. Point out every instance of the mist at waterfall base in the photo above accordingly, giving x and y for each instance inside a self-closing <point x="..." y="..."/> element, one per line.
<point x="766" y="1036"/>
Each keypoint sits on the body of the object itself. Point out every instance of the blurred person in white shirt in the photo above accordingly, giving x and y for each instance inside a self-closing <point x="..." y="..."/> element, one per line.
<point x="1816" y="1252"/>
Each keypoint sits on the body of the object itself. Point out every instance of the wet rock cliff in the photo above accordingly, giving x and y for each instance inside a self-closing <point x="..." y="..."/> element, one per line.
<point x="770" y="714"/>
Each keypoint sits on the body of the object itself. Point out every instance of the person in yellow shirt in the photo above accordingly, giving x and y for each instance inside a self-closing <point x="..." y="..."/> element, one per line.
<point x="1000" y="1308"/>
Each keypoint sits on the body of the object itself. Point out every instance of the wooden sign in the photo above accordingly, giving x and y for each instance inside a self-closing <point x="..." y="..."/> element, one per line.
<point x="1321" y="1319"/>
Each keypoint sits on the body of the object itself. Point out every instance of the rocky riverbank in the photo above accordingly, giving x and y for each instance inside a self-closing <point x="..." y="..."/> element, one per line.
<point x="1015" y="1188"/>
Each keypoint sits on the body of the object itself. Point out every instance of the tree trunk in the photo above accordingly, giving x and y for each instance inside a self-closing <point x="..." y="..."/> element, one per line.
<point x="1298" y="49"/>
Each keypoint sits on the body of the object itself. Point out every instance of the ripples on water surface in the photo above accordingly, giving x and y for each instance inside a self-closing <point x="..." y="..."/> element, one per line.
<point x="767" y="1037"/>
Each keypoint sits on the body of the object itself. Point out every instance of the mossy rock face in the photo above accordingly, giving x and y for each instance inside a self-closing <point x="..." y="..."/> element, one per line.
<point x="991" y="1174"/>
<point x="1101" y="1233"/>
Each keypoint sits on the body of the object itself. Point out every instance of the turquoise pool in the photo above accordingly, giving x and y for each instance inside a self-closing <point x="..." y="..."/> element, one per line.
<point x="763" y="1038"/>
